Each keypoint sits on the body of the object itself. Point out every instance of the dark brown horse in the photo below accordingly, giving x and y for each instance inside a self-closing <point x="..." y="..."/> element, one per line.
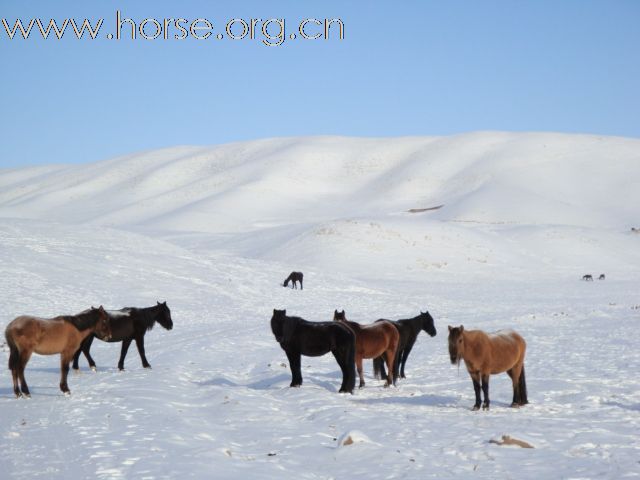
<point x="380" y="338"/>
<point x="488" y="354"/>
<point x="128" y="324"/>
<point x="408" y="329"/>
<point x="63" y="335"/>
<point x="294" y="277"/>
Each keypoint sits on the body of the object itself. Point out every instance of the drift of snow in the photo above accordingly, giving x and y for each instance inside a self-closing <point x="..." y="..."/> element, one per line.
<point x="215" y="230"/>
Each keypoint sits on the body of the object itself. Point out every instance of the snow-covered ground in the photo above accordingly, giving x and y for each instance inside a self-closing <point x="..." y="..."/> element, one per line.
<point x="215" y="230"/>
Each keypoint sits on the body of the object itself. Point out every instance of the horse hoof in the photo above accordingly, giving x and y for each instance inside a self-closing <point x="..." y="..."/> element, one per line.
<point x="475" y="408"/>
<point x="485" y="407"/>
<point x="94" y="369"/>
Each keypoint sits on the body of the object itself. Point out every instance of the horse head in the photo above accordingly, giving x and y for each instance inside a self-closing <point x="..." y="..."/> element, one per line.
<point x="103" y="324"/>
<point x="277" y="323"/>
<point x="339" y="316"/>
<point x="427" y="323"/>
<point x="164" y="317"/>
<point x="456" y="343"/>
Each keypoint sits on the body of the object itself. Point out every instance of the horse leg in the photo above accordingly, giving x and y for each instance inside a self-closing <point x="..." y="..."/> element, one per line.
<point x="341" y="357"/>
<point x="85" y="347"/>
<point x="359" y="368"/>
<point x="485" y="391"/>
<point x="300" y="284"/>
<point x="405" y="356"/>
<point x="475" y="378"/>
<point x="123" y="352"/>
<point x="14" y="364"/>
<point x="24" y="358"/>
<point x="294" y="364"/>
<point x="140" y="345"/>
<point x="64" y="372"/>
<point x="390" y="359"/>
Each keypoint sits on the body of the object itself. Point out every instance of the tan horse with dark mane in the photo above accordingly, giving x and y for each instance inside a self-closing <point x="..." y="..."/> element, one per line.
<point x="488" y="354"/>
<point x="372" y="341"/>
<point x="48" y="336"/>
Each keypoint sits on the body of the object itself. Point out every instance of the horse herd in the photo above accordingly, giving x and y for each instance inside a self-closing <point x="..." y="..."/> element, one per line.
<point x="69" y="335"/>
<point x="385" y="341"/>
<point x="391" y="342"/>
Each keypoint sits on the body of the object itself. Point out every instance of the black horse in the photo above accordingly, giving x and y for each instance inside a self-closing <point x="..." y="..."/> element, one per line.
<point x="299" y="337"/>
<point x="293" y="278"/>
<point x="409" y="330"/>
<point x="128" y="324"/>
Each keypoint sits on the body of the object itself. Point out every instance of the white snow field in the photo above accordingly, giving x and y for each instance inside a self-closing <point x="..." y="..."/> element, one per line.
<point x="215" y="230"/>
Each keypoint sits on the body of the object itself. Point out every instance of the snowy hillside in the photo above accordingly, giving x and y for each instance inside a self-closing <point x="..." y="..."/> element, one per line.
<point x="306" y="198"/>
<point x="215" y="230"/>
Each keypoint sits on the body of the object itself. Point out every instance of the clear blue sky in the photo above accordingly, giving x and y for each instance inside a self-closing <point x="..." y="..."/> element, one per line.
<point x="414" y="67"/>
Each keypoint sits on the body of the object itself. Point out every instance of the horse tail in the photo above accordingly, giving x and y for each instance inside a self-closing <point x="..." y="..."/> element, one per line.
<point x="522" y="388"/>
<point x="14" y="354"/>
<point x="377" y="367"/>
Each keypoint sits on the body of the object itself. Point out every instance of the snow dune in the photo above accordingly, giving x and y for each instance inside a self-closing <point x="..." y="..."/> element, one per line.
<point x="215" y="230"/>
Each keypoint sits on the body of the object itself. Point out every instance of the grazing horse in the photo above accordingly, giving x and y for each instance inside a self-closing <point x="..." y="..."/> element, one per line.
<point x="380" y="338"/>
<point x="601" y="277"/>
<point x="408" y="330"/>
<point x="48" y="336"/>
<point x="299" y="337"/>
<point x="588" y="278"/>
<point x="294" y="277"/>
<point x="486" y="354"/>
<point x="128" y="324"/>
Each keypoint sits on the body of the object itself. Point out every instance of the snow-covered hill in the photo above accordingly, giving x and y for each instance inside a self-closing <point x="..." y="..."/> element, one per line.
<point x="214" y="231"/>
<point x="314" y="199"/>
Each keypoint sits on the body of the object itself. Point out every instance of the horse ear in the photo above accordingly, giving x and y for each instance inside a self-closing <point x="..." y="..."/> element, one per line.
<point x="461" y="328"/>
<point x="284" y="312"/>
<point x="450" y="327"/>
<point x="164" y="303"/>
<point x="101" y="308"/>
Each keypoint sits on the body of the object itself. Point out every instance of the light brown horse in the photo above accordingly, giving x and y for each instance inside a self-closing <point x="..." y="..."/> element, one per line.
<point x="48" y="336"/>
<point x="372" y="341"/>
<point x="488" y="354"/>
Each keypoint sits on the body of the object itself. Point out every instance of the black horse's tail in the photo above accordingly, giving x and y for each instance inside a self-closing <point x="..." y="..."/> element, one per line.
<point x="14" y="354"/>
<point x="378" y="368"/>
<point x="522" y="388"/>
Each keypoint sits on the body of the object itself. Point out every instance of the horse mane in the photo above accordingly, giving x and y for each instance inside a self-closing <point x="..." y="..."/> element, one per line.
<point x="83" y="320"/>
<point x="146" y="316"/>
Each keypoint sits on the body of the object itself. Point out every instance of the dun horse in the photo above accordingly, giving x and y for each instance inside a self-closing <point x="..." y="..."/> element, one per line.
<point x="128" y="324"/>
<point x="62" y="334"/>
<point x="488" y="354"/>
<point x="380" y="338"/>
<point x="408" y="330"/>
<point x="294" y="277"/>
<point x="299" y="337"/>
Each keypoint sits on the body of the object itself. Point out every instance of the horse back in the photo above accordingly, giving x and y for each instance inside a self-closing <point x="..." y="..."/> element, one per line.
<point x="42" y="335"/>
<point x="122" y="324"/>
<point x="314" y="339"/>
<point x="507" y="349"/>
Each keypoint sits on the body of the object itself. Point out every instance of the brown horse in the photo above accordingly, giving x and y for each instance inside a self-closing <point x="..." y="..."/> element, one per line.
<point x="380" y="338"/>
<point x="48" y="336"/>
<point x="488" y="354"/>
